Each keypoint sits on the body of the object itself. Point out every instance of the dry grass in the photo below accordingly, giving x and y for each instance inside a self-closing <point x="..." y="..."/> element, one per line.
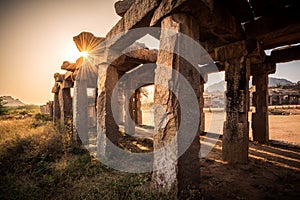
<point x="38" y="162"/>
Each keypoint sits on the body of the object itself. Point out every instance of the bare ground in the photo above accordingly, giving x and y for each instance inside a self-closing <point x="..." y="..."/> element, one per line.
<point x="273" y="171"/>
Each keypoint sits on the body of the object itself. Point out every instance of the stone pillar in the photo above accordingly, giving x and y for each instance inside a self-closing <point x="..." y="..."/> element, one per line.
<point x="172" y="175"/>
<point x="121" y="106"/>
<point x="279" y="99"/>
<point x="56" y="108"/>
<point x="80" y="112"/>
<point x="236" y="127"/>
<point x="260" y="119"/>
<point x="107" y="128"/>
<point x="65" y="102"/>
<point x="201" y="103"/>
<point x="51" y="109"/>
<point x="138" y="109"/>
<point x="129" y="108"/>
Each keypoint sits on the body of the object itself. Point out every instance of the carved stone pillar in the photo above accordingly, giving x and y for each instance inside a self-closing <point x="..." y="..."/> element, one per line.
<point x="65" y="101"/>
<point x="107" y="128"/>
<point x="236" y="127"/>
<point x="129" y="110"/>
<point x="173" y="175"/>
<point x="138" y="109"/>
<point x="201" y="103"/>
<point x="80" y="112"/>
<point x="56" y="107"/>
<point x="260" y="119"/>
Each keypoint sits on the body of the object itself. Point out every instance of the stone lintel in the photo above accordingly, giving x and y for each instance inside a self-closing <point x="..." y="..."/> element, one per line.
<point x="248" y="48"/>
<point x="286" y="54"/>
<point x="121" y="7"/>
<point x="138" y="15"/>
<point x="68" y="66"/>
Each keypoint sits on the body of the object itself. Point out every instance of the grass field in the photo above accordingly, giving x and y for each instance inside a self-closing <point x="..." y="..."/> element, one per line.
<point x="38" y="162"/>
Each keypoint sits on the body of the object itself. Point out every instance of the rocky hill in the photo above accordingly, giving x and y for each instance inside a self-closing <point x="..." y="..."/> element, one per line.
<point x="11" y="102"/>
<point x="273" y="82"/>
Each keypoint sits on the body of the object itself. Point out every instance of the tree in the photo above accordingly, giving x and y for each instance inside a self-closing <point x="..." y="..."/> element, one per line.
<point x="2" y="107"/>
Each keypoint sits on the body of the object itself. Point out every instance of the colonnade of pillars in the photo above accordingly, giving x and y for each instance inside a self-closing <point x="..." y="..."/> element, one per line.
<point x="170" y="173"/>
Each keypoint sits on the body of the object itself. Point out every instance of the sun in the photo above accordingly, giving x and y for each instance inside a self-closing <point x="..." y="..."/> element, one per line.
<point x="84" y="54"/>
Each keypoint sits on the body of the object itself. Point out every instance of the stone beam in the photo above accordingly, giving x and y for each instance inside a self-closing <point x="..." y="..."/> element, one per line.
<point x="249" y="48"/>
<point x="68" y="66"/>
<point x="138" y="15"/>
<point x="275" y="31"/>
<point x="132" y="59"/>
<point x="286" y="54"/>
<point x="121" y="7"/>
<point x="217" y="24"/>
<point x="212" y="68"/>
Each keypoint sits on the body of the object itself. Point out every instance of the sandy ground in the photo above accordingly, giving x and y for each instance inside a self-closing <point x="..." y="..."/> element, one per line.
<point x="273" y="171"/>
<point x="284" y="128"/>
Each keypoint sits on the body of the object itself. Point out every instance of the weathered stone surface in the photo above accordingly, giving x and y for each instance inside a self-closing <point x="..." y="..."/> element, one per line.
<point x="107" y="128"/>
<point x="56" y="108"/>
<point x="50" y="104"/>
<point x="260" y="119"/>
<point x="201" y="106"/>
<point x="286" y="54"/>
<point x="236" y="128"/>
<point x="59" y="77"/>
<point x="55" y="88"/>
<point x="65" y="103"/>
<point x="172" y="175"/>
<point x="138" y="15"/>
<point x="80" y="112"/>
<point x="129" y="117"/>
<point x="68" y="66"/>
<point x="134" y="58"/>
<point x="121" y="7"/>
<point x="164" y="9"/>
<point x="66" y="84"/>
<point x="138" y="109"/>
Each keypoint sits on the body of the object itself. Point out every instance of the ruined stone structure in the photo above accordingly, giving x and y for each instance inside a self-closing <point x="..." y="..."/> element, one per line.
<point x="235" y="35"/>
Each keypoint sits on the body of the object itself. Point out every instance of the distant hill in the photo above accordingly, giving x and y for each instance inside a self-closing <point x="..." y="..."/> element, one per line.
<point x="279" y="81"/>
<point x="11" y="102"/>
<point x="220" y="86"/>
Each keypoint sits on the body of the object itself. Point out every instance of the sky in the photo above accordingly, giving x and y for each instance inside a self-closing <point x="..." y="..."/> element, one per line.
<point x="36" y="36"/>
